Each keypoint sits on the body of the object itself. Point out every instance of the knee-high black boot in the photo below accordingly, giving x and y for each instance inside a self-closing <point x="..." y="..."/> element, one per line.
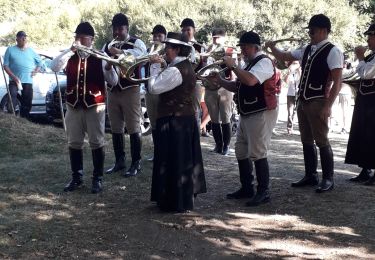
<point x="76" y="165"/>
<point x="263" y="177"/>
<point x="227" y="134"/>
<point x="326" y="159"/>
<point x="218" y="137"/>
<point x="246" y="177"/>
<point x="98" y="162"/>
<point x="118" y="148"/>
<point x="311" y="164"/>
<point x="135" y="150"/>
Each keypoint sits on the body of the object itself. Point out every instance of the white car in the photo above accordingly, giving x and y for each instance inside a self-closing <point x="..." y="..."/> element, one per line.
<point x="43" y="82"/>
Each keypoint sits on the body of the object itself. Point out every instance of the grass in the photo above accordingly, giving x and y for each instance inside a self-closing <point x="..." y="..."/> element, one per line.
<point x="39" y="221"/>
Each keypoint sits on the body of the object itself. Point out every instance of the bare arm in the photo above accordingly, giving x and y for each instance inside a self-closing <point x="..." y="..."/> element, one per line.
<point x="10" y="73"/>
<point x="279" y="54"/>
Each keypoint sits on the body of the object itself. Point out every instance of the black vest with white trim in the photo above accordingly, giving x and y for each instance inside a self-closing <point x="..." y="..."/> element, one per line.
<point x="315" y="73"/>
<point x="253" y="99"/>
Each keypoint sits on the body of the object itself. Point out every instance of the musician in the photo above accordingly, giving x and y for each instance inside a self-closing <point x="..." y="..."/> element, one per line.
<point x="21" y="63"/>
<point x="320" y="83"/>
<point x="188" y="27"/>
<point x="85" y="98"/>
<point x="362" y="139"/>
<point x="158" y="35"/>
<point x="178" y="173"/>
<point x="255" y="90"/>
<point x="124" y="101"/>
<point x="219" y="103"/>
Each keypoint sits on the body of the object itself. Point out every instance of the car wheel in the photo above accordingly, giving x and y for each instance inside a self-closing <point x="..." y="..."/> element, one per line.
<point x="145" y="122"/>
<point x="5" y="105"/>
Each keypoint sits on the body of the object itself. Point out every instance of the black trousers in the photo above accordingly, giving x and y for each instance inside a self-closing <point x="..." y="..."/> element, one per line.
<point x="26" y="98"/>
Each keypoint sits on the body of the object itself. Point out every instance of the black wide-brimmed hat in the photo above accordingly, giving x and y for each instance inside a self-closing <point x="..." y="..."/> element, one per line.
<point x="249" y="38"/>
<point x="85" y="28"/>
<point x="320" y="21"/>
<point x="120" y="20"/>
<point x="159" y="29"/>
<point x="177" y="38"/>
<point x="370" y="30"/>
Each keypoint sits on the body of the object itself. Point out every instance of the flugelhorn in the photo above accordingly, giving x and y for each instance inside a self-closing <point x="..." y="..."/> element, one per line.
<point x="124" y="61"/>
<point x="216" y="55"/>
<point x="157" y="48"/>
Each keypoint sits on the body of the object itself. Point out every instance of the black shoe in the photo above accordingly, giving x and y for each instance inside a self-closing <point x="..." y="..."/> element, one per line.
<point x="325" y="185"/>
<point x="311" y="180"/>
<point x="363" y="176"/>
<point x="119" y="166"/>
<point x="371" y="181"/>
<point x="74" y="184"/>
<point x="218" y="149"/>
<point x="97" y="185"/>
<point x="225" y="150"/>
<point x="241" y="194"/>
<point x="134" y="169"/>
<point x="259" y="198"/>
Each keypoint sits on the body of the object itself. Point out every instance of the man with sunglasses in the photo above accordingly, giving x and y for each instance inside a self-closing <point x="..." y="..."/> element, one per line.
<point x="320" y="83"/>
<point x="85" y="98"/>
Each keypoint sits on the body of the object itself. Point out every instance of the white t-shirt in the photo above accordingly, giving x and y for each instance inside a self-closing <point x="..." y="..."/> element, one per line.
<point x="335" y="58"/>
<point x="263" y="69"/>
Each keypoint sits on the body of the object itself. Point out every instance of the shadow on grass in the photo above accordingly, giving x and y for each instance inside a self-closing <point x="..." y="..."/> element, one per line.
<point x="38" y="221"/>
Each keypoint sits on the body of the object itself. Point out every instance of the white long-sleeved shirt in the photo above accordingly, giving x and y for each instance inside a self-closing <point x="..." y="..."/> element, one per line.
<point x="166" y="80"/>
<point x="366" y="70"/>
<point x="61" y="61"/>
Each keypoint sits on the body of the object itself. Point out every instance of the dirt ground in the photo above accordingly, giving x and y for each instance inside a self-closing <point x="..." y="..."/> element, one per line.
<point x="39" y="221"/>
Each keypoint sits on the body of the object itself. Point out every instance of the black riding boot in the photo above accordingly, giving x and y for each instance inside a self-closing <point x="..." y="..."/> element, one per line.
<point x="263" y="177"/>
<point x="311" y="164"/>
<point x="363" y="176"/>
<point x="227" y="134"/>
<point x="76" y="165"/>
<point x="326" y="159"/>
<point x="246" y="177"/>
<point x="118" y="148"/>
<point x="98" y="162"/>
<point x="135" y="150"/>
<point x="218" y="137"/>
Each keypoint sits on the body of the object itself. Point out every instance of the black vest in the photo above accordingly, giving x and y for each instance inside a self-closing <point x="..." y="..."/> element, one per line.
<point x="315" y="72"/>
<point x="179" y="101"/>
<point x="123" y="82"/>
<point x="367" y="86"/>
<point x="252" y="99"/>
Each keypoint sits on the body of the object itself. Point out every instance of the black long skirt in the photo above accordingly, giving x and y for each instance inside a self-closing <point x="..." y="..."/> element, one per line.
<point x="178" y="173"/>
<point x="361" y="144"/>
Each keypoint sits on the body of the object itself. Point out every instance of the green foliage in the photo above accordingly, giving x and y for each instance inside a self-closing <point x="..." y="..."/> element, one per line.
<point x="51" y="23"/>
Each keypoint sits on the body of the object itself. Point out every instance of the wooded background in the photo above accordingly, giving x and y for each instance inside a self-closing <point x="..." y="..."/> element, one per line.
<point x="51" y="23"/>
